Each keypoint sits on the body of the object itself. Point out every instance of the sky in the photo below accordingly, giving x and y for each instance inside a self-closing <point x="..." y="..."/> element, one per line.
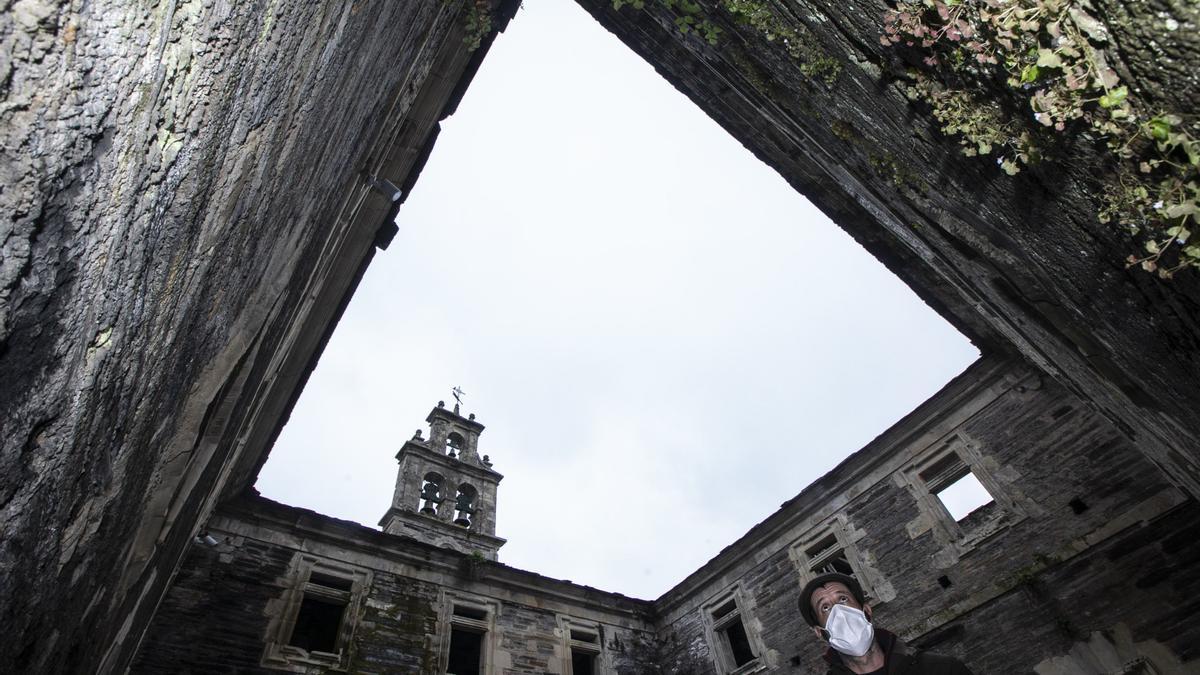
<point x="663" y="339"/>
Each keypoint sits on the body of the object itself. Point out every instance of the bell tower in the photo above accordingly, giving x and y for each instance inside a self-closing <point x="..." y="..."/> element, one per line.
<point x="445" y="492"/>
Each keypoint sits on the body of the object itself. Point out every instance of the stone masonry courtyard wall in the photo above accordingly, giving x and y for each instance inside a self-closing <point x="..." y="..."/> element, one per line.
<point x="1085" y="537"/>
<point x="226" y="603"/>
<point x="1086" y="561"/>
<point x="189" y="192"/>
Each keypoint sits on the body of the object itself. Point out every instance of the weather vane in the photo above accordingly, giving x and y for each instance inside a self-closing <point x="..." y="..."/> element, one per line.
<point x="458" y="394"/>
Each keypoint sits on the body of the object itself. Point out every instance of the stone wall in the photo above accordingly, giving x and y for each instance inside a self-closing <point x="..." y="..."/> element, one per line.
<point x="226" y="603"/>
<point x="187" y="199"/>
<point x="1087" y="560"/>
<point x="1096" y="540"/>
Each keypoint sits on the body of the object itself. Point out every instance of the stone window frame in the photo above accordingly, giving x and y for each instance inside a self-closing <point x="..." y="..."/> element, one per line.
<point x="874" y="584"/>
<point x="566" y="625"/>
<point x="1007" y="508"/>
<point x="448" y="620"/>
<point x="719" y="648"/>
<point x="279" y="655"/>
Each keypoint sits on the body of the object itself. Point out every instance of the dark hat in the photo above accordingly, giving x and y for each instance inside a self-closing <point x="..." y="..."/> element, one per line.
<point x="806" y="594"/>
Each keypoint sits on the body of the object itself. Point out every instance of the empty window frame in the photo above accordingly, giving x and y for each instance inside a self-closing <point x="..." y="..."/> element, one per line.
<point x="830" y="548"/>
<point x="962" y="501"/>
<point x="956" y="486"/>
<point x="318" y="615"/>
<point x="318" y="622"/>
<point x="466" y="651"/>
<point x="583" y="647"/>
<point x="735" y="648"/>
<point x="827" y="556"/>
<point x="951" y="482"/>
<point x="467" y="625"/>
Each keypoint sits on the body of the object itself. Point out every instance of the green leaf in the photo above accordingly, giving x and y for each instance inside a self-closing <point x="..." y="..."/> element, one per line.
<point x="1029" y="74"/>
<point x="1048" y="59"/>
<point x="1159" y="129"/>
<point x="1114" y="97"/>
<point x="1187" y="208"/>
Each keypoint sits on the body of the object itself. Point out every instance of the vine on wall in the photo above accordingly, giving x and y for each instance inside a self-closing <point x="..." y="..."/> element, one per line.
<point x="1052" y="55"/>
<point x="691" y="18"/>
<point x="477" y="22"/>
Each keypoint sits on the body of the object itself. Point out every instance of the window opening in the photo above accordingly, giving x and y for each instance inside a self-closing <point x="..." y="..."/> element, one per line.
<point x="319" y="619"/>
<point x="828" y="556"/>
<point x="464" y="505"/>
<point x="583" y="636"/>
<point x="329" y="581"/>
<point x="317" y="625"/>
<point x="963" y="496"/>
<point x="466" y="651"/>
<point x="829" y="548"/>
<point x="470" y="612"/>
<point x="961" y="499"/>
<point x="724" y="610"/>
<point x="320" y="610"/>
<point x="583" y="662"/>
<point x="467" y="643"/>
<point x="739" y="644"/>
<point x="730" y="634"/>
<point x="583" y="646"/>
<point x="431" y="494"/>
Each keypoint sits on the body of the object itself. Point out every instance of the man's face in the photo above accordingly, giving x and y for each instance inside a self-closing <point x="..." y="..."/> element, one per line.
<point x="824" y="598"/>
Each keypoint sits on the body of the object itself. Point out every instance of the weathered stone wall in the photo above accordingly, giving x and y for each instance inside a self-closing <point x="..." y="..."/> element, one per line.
<point x="1132" y="596"/>
<point x="1021" y="263"/>
<point x="223" y="606"/>
<point x="186" y="204"/>
<point x="1087" y="556"/>
<point x="1123" y="558"/>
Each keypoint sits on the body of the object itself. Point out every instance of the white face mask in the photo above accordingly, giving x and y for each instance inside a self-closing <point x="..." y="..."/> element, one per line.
<point x="850" y="632"/>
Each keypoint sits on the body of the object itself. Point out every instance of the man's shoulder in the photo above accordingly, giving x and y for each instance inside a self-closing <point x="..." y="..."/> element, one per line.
<point x="928" y="663"/>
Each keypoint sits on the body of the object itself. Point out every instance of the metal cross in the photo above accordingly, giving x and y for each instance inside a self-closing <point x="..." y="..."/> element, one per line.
<point x="458" y="394"/>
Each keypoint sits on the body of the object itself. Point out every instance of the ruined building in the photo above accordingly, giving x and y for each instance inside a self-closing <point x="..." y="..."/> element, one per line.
<point x="1080" y="563"/>
<point x="192" y="189"/>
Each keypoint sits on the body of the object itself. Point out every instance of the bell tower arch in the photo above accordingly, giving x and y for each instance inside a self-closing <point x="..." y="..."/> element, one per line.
<point x="445" y="491"/>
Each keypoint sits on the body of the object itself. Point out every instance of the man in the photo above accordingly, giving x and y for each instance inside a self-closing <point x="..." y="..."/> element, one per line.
<point x="835" y="607"/>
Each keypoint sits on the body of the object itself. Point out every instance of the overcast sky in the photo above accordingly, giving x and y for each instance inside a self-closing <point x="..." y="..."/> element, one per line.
<point x="664" y="340"/>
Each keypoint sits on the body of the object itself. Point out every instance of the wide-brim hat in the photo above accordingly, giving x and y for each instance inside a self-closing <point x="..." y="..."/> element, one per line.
<point x="806" y="595"/>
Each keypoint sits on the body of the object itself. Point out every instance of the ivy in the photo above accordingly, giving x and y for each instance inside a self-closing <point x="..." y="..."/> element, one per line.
<point x="478" y="22"/>
<point x="691" y="19"/>
<point x="1053" y="55"/>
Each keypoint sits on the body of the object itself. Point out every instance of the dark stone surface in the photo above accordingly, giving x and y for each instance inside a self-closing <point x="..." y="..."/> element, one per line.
<point x="219" y="613"/>
<point x="185" y="210"/>
<point x="1121" y="575"/>
<point x="1012" y="594"/>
